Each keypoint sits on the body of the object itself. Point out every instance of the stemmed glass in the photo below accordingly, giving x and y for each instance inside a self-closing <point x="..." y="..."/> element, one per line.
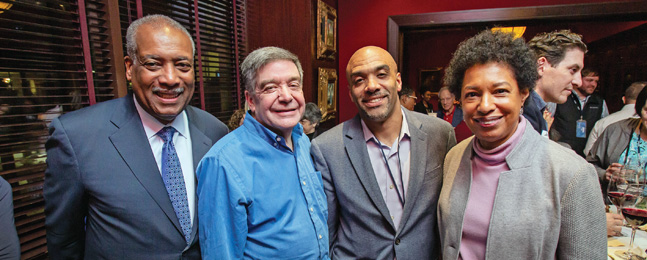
<point x="618" y="184"/>
<point x="634" y="206"/>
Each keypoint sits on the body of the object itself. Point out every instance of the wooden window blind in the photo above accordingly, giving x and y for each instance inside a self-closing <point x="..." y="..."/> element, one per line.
<point x="58" y="56"/>
<point x="220" y="47"/>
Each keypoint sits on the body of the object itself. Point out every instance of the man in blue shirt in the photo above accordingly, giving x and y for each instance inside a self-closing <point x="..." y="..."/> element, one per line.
<point x="259" y="196"/>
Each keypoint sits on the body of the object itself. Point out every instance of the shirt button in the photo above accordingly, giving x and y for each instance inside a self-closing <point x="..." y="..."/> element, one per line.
<point x="278" y="139"/>
<point x="304" y="183"/>
<point x="391" y="187"/>
<point x="276" y="144"/>
<point x="397" y="241"/>
<point x="391" y="217"/>
<point x="311" y="209"/>
<point x="320" y="237"/>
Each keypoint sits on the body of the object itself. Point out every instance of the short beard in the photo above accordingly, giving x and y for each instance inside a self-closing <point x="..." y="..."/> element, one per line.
<point x="379" y="117"/>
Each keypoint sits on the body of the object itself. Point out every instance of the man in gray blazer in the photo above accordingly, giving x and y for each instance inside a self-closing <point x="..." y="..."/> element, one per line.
<point x="120" y="180"/>
<point x="382" y="169"/>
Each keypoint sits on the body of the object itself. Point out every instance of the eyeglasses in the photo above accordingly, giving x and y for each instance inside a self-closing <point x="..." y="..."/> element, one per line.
<point x="414" y="97"/>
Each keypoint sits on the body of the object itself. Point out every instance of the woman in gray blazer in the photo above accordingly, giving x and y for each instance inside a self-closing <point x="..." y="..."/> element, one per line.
<point x="509" y="193"/>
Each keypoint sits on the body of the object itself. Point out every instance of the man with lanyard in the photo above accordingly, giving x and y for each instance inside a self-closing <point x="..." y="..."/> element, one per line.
<point x="560" y="57"/>
<point x="575" y="118"/>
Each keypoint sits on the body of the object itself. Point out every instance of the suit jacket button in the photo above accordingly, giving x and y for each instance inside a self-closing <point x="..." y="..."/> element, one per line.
<point x="397" y="241"/>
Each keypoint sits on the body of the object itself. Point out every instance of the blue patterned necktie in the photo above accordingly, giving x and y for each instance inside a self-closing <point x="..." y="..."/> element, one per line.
<point x="174" y="181"/>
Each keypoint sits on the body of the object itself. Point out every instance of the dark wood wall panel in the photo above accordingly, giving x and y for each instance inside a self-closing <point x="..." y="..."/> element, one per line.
<point x="290" y="24"/>
<point x="621" y="60"/>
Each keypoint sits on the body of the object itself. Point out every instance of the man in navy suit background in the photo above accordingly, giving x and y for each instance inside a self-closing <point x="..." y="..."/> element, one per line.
<point x="120" y="180"/>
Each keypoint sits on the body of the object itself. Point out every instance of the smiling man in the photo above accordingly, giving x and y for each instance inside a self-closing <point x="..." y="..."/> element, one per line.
<point x="260" y="196"/>
<point x="120" y="180"/>
<point x="583" y="108"/>
<point x="382" y="169"/>
<point x="560" y="58"/>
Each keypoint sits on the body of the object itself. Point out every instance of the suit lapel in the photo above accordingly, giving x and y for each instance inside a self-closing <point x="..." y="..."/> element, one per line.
<point x="131" y="143"/>
<point x="200" y="145"/>
<point x="418" y="153"/>
<point x="356" y="148"/>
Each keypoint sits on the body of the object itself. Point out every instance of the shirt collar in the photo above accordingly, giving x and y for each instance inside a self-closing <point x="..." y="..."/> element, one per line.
<point x="152" y="125"/>
<point x="251" y="124"/>
<point x="541" y="104"/>
<point x="404" y="130"/>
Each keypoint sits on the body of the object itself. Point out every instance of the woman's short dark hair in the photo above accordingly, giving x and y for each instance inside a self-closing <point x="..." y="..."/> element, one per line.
<point x="486" y="47"/>
<point x="640" y="101"/>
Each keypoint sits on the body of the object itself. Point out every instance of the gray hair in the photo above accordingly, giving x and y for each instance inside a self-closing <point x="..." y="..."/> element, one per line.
<point x="261" y="57"/>
<point x="406" y="91"/>
<point x="156" y="21"/>
<point x="446" y="88"/>
<point x="632" y="91"/>
<point x="312" y="113"/>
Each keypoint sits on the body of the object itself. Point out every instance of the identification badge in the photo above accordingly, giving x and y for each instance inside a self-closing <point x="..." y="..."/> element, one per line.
<point x="580" y="128"/>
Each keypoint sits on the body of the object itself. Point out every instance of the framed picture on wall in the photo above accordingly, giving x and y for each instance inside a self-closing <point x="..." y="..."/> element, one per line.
<point x="431" y="79"/>
<point x="326" y="31"/>
<point x="327" y="90"/>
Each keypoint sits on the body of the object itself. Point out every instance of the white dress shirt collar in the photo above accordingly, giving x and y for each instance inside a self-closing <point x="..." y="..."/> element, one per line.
<point x="152" y="125"/>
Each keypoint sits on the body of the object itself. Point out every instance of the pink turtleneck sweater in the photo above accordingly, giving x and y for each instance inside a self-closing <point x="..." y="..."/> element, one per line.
<point x="486" y="167"/>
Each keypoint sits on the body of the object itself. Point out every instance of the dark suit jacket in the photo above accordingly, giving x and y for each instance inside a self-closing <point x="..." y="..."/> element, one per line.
<point x="533" y="114"/>
<point x="9" y="244"/>
<point x="458" y="116"/>
<point x="104" y="195"/>
<point x="358" y="219"/>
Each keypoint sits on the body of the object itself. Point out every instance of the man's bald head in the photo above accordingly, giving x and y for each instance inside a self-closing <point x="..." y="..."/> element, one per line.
<point x="374" y="83"/>
<point x="364" y="54"/>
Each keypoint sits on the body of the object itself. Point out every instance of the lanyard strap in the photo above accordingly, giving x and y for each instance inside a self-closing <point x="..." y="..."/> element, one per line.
<point x="637" y="146"/>
<point x="578" y="104"/>
<point x="397" y="190"/>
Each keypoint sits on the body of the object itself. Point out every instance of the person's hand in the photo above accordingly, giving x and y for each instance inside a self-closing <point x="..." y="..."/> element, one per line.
<point x="549" y="118"/>
<point x="613" y="168"/>
<point x="614" y="224"/>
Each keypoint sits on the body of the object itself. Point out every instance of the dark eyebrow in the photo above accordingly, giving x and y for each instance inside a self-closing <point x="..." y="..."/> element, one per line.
<point x="501" y="83"/>
<point x="383" y="67"/>
<point x="378" y="68"/>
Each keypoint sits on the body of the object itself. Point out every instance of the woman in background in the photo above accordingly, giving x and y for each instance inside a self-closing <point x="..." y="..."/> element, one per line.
<point x="514" y="194"/>
<point x="621" y="142"/>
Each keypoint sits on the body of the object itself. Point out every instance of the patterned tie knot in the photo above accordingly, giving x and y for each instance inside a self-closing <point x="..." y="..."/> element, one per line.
<point x="166" y="133"/>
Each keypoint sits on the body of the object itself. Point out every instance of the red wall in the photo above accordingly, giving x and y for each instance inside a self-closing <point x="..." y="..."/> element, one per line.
<point x="363" y="22"/>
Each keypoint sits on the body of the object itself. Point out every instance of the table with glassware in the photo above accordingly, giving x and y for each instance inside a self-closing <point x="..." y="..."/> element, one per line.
<point x="627" y="191"/>
<point x="621" y="242"/>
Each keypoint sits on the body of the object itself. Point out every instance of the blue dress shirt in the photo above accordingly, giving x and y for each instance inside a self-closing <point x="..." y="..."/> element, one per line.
<point x="257" y="199"/>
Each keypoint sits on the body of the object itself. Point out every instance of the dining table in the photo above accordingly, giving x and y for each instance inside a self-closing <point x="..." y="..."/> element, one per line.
<point x="621" y="242"/>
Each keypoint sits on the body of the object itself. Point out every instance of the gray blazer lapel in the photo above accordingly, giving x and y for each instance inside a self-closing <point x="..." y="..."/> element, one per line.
<point x="417" y="171"/>
<point x="520" y="156"/>
<point x="131" y="143"/>
<point x="356" y="148"/>
<point x="460" y="188"/>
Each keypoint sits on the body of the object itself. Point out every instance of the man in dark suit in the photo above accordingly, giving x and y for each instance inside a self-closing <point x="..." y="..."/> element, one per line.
<point x="120" y="180"/>
<point x="382" y="169"/>
<point x="9" y="243"/>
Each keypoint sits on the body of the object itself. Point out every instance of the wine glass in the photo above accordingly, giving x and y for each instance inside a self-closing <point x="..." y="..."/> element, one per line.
<point x="634" y="206"/>
<point x="617" y="186"/>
